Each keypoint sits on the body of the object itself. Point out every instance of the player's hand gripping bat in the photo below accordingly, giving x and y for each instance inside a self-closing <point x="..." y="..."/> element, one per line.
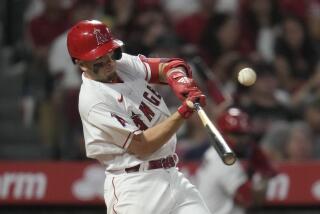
<point x="216" y="140"/>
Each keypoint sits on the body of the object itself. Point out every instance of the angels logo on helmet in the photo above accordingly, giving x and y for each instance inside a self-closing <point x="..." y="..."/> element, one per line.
<point x="101" y="38"/>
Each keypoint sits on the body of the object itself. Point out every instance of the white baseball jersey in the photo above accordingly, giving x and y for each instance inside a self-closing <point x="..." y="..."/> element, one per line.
<point x="218" y="183"/>
<point x="112" y="113"/>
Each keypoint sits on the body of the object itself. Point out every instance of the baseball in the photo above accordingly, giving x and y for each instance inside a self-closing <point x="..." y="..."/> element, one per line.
<point x="247" y="76"/>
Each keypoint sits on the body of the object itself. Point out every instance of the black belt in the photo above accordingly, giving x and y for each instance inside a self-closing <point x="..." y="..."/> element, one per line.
<point x="165" y="163"/>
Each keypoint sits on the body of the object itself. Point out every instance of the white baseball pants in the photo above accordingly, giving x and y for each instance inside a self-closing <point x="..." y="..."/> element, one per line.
<point x="157" y="191"/>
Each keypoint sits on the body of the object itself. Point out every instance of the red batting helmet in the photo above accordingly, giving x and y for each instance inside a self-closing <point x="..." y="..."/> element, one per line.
<point x="90" y="39"/>
<point x="234" y="121"/>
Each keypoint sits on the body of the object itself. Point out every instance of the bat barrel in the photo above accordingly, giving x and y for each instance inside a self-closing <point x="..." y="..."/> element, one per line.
<point x="217" y="141"/>
<point x="229" y="158"/>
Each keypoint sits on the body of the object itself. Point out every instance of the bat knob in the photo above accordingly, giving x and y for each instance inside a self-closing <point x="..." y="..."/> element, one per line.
<point x="197" y="106"/>
<point x="190" y="104"/>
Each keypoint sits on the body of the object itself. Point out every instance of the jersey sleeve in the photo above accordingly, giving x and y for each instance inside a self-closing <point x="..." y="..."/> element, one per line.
<point x="229" y="178"/>
<point x="131" y="68"/>
<point x="152" y="70"/>
<point x="109" y="127"/>
<point x="233" y="177"/>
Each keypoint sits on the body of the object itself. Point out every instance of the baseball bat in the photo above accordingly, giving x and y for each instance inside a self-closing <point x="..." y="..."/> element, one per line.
<point x="216" y="140"/>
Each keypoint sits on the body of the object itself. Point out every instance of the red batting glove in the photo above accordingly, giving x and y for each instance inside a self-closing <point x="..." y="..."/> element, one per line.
<point x="194" y="96"/>
<point x="181" y="84"/>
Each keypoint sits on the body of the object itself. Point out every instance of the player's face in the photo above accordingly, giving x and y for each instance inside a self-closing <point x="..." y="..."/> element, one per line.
<point x="102" y="69"/>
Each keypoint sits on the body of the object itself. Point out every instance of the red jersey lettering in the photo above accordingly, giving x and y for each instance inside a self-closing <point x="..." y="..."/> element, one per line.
<point x="146" y="111"/>
<point x="151" y="99"/>
<point x="138" y="122"/>
<point x="120" y="119"/>
<point x="154" y="92"/>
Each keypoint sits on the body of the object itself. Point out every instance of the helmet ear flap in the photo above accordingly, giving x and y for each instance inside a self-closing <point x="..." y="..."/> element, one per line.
<point x="117" y="54"/>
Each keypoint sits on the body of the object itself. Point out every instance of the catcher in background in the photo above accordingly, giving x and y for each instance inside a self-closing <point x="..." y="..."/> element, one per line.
<point x="234" y="189"/>
<point x="127" y="125"/>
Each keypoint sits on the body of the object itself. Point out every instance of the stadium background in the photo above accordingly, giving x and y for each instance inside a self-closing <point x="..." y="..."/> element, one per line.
<point x="43" y="168"/>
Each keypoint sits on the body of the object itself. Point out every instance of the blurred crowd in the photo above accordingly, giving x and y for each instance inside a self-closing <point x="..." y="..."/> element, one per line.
<point x="279" y="39"/>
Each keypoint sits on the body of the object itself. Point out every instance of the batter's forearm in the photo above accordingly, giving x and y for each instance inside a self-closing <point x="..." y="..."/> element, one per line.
<point x="162" y="132"/>
<point x="153" y="138"/>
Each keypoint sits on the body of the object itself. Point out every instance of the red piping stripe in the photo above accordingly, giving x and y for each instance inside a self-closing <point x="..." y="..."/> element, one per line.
<point x="146" y="71"/>
<point x="114" y="193"/>
<point x="126" y="140"/>
<point x="129" y="137"/>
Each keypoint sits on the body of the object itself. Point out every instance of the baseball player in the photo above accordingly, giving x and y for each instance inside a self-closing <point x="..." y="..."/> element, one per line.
<point x="233" y="189"/>
<point x="127" y="125"/>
